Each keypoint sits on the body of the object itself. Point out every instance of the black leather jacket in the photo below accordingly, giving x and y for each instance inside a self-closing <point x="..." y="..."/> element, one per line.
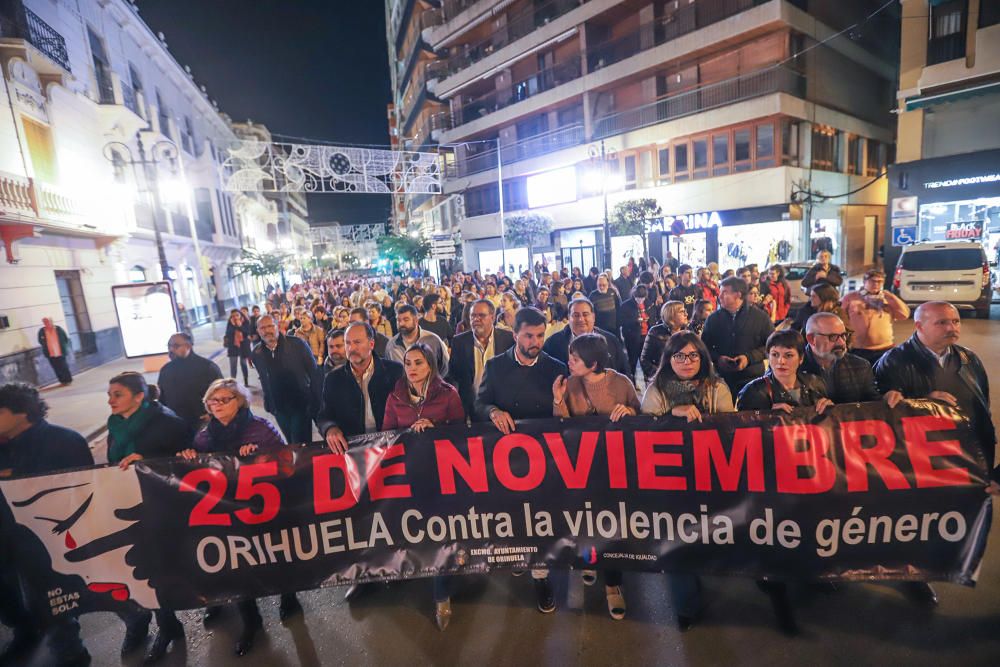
<point x="764" y="392"/>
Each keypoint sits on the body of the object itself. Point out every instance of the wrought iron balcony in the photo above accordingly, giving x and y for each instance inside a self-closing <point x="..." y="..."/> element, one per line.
<point x="31" y="28"/>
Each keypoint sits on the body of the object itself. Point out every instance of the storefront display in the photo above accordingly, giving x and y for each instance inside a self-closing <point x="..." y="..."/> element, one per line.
<point x="762" y="244"/>
<point x="973" y="220"/>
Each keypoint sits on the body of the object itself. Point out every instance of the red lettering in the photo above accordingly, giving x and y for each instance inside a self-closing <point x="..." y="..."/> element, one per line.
<point x="857" y="458"/>
<point x="573" y="477"/>
<point x="322" y="487"/>
<point x="789" y="458"/>
<point x="247" y="488"/>
<point x="377" y="473"/>
<point x="536" y="462"/>
<point x="450" y="461"/>
<point x="648" y="460"/>
<point x="922" y="451"/>
<point x="202" y="514"/>
<point x="615" y="442"/>
<point x="709" y="454"/>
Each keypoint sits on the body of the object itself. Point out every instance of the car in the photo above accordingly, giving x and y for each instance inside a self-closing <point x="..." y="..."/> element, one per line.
<point x="953" y="271"/>
<point x="794" y="273"/>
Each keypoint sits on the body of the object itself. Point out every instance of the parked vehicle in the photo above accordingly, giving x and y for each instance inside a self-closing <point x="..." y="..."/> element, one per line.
<point x="954" y="271"/>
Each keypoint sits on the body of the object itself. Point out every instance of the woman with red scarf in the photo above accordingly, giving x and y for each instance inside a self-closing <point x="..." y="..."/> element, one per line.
<point x="709" y="288"/>
<point x="779" y="290"/>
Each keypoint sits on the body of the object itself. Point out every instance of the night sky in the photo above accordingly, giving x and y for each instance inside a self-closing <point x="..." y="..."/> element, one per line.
<point x="305" y="68"/>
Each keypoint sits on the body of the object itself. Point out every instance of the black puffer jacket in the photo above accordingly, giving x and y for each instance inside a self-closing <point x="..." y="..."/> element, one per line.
<point x="764" y="392"/>
<point x="732" y="335"/>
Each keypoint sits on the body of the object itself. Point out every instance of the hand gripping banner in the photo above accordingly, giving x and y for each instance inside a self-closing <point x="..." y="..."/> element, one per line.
<point x="859" y="493"/>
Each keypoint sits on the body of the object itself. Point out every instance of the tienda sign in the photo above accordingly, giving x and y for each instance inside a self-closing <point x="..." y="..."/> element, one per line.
<point x="964" y="230"/>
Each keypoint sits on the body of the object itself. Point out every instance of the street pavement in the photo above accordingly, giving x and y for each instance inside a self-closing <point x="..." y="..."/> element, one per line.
<point x="495" y="621"/>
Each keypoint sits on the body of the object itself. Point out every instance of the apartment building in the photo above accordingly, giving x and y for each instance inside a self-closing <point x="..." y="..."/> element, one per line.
<point x="946" y="183"/>
<point x="90" y="92"/>
<point x="761" y="138"/>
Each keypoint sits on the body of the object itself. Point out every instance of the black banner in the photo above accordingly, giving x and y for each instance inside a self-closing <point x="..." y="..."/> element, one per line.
<point x="859" y="493"/>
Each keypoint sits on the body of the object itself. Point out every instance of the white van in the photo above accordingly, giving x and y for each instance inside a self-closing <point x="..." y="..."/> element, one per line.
<point x="953" y="271"/>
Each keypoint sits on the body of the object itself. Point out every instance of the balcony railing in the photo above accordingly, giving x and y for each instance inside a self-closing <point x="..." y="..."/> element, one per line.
<point x="39" y="34"/>
<point x="943" y="49"/>
<point x="519" y="91"/>
<point x="518" y="26"/>
<point x="524" y="149"/>
<point x="763" y="82"/>
<point x="37" y="199"/>
<point x="16" y="194"/>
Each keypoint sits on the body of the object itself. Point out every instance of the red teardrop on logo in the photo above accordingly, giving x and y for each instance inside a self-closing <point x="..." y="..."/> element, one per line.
<point x="70" y="542"/>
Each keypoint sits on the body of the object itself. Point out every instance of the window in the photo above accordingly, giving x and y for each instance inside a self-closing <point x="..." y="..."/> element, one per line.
<point x="855" y="154"/>
<point x="877" y="158"/>
<point x="989" y="13"/>
<point x="824" y="148"/>
<point x="947" y="31"/>
<point x="137" y="274"/>
<point x="630" y="172"/>
<point x="205" y="221"/>
<point x="741" y="150"/>
<point x="187" y="139"/>
<point x="720" y="154"/>
<point x="163" y="113"/>
<point x="102" y="68"/>
<point x="765" y="146"/>
<point x="699" y="150"/>
<point x="41" y="149"/>
<point x="790" y="142"/>
<point x="681" y="162"/>
<point x="663" y="165"/>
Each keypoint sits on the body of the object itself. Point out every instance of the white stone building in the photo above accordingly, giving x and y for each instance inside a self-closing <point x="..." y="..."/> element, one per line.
<point x="84" y="82"/>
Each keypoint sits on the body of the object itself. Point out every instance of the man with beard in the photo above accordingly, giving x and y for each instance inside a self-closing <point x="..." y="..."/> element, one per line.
<point x="736" y="334"/>
<point x="471" y="350"/>
<point x="32" y="446"/>
<point x="409" y="333"/>
<point x="336" y="351"/>
<point x="185" y="378"/>
<point x="354" y="398"/>
<point x="686" y="292"/>
<point x="582" y="320"/>
<point x="518" y="385"/>
<point x="848" y="377"/>
<point x="288" y="378"/>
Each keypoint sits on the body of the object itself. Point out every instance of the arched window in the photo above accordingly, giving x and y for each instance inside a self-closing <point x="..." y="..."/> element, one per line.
<point x="137" y="274"/>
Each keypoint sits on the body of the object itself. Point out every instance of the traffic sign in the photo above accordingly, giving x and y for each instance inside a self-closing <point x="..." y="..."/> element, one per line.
<point x="903" y="235"/>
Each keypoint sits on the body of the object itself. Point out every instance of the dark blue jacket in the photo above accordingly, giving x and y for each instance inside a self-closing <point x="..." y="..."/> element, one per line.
<point x="46" y="448"/>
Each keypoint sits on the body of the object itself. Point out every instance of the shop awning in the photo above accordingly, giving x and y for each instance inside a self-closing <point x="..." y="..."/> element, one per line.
<point x="924" y="101"/>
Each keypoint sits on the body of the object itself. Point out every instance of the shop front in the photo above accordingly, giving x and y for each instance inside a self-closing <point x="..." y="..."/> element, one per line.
<point x="955" y="198"/>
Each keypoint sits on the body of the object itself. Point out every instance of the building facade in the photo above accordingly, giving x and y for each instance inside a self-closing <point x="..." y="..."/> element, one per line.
<point x="946" y="183"/>
<point x="109" y="154"/>
<point x="747" y="121"/>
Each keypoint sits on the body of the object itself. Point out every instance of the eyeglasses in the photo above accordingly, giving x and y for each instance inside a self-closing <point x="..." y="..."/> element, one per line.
<point x="692" y="357"/>
<point x="225" y="400"/>
<point x="834" y="337"/>
<point x="479" y="316"/>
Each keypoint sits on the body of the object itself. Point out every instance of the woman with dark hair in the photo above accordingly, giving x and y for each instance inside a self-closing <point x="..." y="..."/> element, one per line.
<point x="595" y="389"/>
<point x="559" y="302"/>
<point x="686" y="386"/>
<point x="236" y="431"/>
<point x="635" y="323"/>
<point x="142" y="428"/>
<point x="783" y="387"/>
<point x="237" y="343"/>
<point x="422" y="400"/>
<point x="823" y="298"/>
<point x="577" y="287"/>
<point x="776" y="286"/>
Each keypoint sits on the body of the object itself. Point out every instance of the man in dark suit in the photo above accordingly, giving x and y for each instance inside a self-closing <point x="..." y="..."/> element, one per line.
<point x="582" y="321"/>
<point x="185" y="378"/>
<point x="289" y="379"/>
<point x="472" y="349"/>
<point x="518" y="385"/>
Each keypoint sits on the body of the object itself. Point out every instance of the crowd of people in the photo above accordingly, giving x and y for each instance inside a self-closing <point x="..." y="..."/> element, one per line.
<point x="350" y="355"/>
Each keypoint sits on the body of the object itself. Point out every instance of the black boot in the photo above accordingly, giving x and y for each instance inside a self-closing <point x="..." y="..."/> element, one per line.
<point x="245" y="641"/>
<point x="778" y="592"/>
<point x="136" y="632"/>
<point x="290" y="607"/>
<point x="161" y="643"/>
<point x="24" y="642"/>
<point x="921" y="593"/>
<point x="546" y="598"/>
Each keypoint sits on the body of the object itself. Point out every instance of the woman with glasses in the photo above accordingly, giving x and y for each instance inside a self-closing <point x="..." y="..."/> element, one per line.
<point x="422" y="400"/>
<point x="686" y="386"/>
<point x="783" y="387"/>
<point x="595" y="389"/>
<point x="234" y="430"/>
<point x="140" y="427"/>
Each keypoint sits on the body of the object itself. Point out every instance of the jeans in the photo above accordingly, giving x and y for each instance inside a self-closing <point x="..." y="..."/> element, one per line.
<point x="685" y="593"/>
<point x="243" y="367"/>
<point x="295" y="426"/>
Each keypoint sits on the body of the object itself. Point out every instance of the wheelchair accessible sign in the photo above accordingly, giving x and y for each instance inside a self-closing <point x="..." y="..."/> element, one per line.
<point x="902" y="236"/>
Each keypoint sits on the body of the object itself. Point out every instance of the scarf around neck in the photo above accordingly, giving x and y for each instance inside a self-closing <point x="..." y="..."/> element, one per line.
<point x="125" y="431"/>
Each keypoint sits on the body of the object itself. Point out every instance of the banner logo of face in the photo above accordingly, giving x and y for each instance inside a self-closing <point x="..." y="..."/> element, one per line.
<point x="590" y="555"/>
<point x="91" y="541"/>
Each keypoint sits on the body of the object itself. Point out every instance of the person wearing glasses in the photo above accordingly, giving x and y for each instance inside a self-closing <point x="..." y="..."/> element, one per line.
<point x="233" y="429"/>
<point x="471" y="350"/>
<point x="848" y="377"/>
<point x="685" y="385"/>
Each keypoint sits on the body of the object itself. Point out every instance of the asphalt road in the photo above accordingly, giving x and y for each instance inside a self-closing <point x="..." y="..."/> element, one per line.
<point x="495" y="621"/>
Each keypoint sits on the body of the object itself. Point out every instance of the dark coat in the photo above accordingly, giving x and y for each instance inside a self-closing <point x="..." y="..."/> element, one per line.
<point x="606" y="305"/>
<point x="557" y="347"/>
<point x="848" y="380"/>
<point x="45" y="448"/>
<point x="183" y="383"/>
<point x="163" y="436"/>
<point x="441" y="405"/>
<point x="259" y="431"/>
<point x="652" y="349"/>
<point x="343" y="404"/>
<point x="462" y="367"/>
<point x="631" y="328"/>
<point x="833" y="276"/>
<point x="744" y="333"/>
<point x="764" y="392"/>
<point x="229" y="339"/>
<point x="64" y="344"/>
<point x="523" y="391"/>
<point x="289" y="376"/>
<point x="686" y="295"/>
